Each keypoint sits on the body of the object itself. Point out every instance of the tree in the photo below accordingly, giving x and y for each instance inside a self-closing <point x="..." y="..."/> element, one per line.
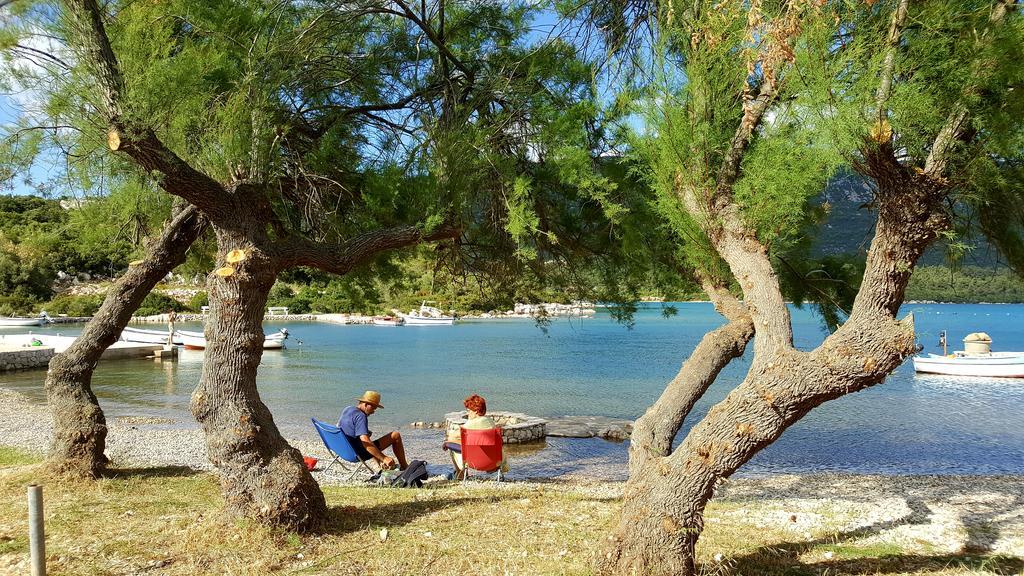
<point x="79" y="427"/>
<point x="312" y="134"/>
<point x="754" y="106"/>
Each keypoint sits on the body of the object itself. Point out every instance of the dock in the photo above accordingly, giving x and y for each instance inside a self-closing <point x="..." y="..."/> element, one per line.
<point x="29" y="351"/>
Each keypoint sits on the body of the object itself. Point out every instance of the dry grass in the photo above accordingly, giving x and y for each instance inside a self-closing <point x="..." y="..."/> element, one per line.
<point x="168" y="522"/>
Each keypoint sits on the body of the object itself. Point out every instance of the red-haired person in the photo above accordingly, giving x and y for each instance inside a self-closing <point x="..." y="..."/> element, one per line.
<point x="476" y="419"/>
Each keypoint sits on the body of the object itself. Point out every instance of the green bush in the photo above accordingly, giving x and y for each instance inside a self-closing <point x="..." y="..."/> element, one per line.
<point x="300" y="304"/>
<point x="197" y="302"/>
<point x="157" y="303"/>
<point x="74" y="305"/>
<point x="280" y="295"/>
<point x="17" y="305"/>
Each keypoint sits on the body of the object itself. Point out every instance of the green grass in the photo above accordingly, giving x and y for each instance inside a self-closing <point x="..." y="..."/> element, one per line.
<point x="169" y="521"/>
<point x="15" y="457"/>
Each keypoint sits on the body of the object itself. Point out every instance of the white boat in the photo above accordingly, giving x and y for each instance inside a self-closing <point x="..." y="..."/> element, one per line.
<point x="427" y="316"/>
<point x="993" y="365"/>
<point x="146" y="336"/>
<point x="18" y="321"/>
<point x="197" y="341"/>
<point x="7" y="321"/>
<point x="388" y="321"/>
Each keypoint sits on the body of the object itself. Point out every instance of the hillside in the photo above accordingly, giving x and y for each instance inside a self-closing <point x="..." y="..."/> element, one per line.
<point x="851" y="221"/>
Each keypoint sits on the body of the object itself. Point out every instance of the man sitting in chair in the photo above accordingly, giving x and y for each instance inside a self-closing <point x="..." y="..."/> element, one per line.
<point x="354" y="425"/>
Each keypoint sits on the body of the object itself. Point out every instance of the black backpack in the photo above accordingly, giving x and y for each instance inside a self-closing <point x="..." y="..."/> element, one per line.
<point x="411" y="477"/>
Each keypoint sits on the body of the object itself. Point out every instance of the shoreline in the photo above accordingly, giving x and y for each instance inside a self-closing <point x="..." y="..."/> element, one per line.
<point x="951" y="513"/>
<point x="157" y="441"/>
<point x="356" y="318"/>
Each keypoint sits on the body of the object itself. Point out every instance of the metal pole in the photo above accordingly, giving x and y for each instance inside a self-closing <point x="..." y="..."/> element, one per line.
<point x="36" y="539"/>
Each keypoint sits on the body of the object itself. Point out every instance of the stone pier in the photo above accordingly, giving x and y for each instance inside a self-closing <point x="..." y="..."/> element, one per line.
<point x="24" y="358"/>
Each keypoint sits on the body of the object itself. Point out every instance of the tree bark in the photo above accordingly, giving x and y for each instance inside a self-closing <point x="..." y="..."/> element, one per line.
<point x="654" y="432"/>
<point x="79" y="427"/>
<point x="261" y="475"/>
<point x="662" y="516"/>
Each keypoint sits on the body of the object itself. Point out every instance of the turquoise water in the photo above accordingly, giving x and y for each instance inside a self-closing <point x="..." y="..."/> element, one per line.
<point x="910" y="424"/>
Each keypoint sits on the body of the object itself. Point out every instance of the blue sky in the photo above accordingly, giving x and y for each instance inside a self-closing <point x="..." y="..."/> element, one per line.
<point x="9" y="112"/>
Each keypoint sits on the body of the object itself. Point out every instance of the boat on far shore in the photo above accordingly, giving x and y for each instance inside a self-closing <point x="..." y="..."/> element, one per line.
<point x="19" y="321"/>
<point x="388" y="321"/>
<point x="427" y="316"/>
<point x="977" y="359"/>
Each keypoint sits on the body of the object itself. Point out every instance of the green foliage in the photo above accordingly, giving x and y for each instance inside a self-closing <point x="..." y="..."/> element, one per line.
<point x="78" y="306"/>
<point x="200" y="299"/>
<point x="14" y="305"/>
<point x="157" y="303"/>
<point x="967" y="284"/>
<point x="25" y="277"/>
<point x="109" y="231"/>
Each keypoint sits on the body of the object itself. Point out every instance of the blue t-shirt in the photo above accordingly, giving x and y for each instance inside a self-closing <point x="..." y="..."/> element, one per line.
<point x="353" y="422"/>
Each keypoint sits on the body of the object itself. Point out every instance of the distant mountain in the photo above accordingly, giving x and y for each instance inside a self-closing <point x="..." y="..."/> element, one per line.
<point x="851" y="223"/>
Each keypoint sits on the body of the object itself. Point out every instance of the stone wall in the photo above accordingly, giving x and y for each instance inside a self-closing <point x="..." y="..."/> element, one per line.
<point x="25" y="358"/>
<point x="516" y="428"/>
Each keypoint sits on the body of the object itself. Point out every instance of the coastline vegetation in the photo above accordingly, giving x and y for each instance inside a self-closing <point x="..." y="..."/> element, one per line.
<point x="40" y="241"/>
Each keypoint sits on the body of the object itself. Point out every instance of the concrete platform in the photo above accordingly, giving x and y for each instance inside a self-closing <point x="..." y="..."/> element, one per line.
<point x="117" y="351"/>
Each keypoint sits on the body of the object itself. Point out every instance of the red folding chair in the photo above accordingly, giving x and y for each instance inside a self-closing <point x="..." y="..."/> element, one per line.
<point x="482" y="451"/>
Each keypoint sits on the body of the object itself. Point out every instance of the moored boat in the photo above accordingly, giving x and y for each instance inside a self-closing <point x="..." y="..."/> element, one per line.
<point x="994" y="365"/>
<point x="145" y="336"/>
<point x="19" y="321"/>
<point x="976" y="359"/>
<point x="388" y="321"/>
<point x="197" y="340"/>
<point x="427" y="316"/>
<point x="6" y="321"/>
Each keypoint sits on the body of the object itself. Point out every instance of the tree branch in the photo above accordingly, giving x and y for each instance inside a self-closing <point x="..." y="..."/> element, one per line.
<point x="434" y="39"/>
<point x="140" y="143"/>
<point x="341" y="258"/>
<point x="654" y="432"/>
<point x="889" y="65"/>
<point x="753" y="113"/>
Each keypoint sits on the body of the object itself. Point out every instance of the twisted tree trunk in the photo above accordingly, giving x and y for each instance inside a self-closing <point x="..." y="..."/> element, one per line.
<point x="79" y="427"/>
<point x="654" y="432"/>
<point x="662" y="516"/>
<point x="261" y="475"/>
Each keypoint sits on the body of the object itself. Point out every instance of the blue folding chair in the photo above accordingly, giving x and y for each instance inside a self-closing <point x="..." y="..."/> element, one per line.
<point x="338" y="446"/>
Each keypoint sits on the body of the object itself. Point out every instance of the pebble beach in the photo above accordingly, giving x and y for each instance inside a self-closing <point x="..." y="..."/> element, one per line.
<point x="944" y="513"/>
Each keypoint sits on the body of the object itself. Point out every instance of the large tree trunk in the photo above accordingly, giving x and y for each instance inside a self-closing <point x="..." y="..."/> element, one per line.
<point x="261" y="475"/>
<point x="662" y="516"/>
<point x="79" y="428"/>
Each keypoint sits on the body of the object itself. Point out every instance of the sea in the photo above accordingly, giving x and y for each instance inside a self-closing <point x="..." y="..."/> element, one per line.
<point x="910" y="424"/>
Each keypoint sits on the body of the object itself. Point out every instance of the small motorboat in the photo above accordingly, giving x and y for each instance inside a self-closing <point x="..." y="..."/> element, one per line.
<point x="977" y="359"/>
<point x="427" y="316"/>
<point x="145" y="336"/>
<point x="197" y="340"/>
<point x="388" y="321"/>
<point x="19" y="321"/>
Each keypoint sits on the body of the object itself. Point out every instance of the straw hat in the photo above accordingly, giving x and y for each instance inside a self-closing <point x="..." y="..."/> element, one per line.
<point x="371" y="397"/>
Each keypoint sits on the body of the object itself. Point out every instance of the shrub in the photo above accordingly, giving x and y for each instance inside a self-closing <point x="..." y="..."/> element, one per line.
<point x="157" y="303"/>
<point x="85" y="305"/>
<point x="17" y="305"/>
<point x="280" y="295"/>
<point x="199" y="300"/>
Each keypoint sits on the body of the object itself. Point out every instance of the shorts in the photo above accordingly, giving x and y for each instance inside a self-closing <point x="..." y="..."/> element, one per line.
<point x="360" y="450"/>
